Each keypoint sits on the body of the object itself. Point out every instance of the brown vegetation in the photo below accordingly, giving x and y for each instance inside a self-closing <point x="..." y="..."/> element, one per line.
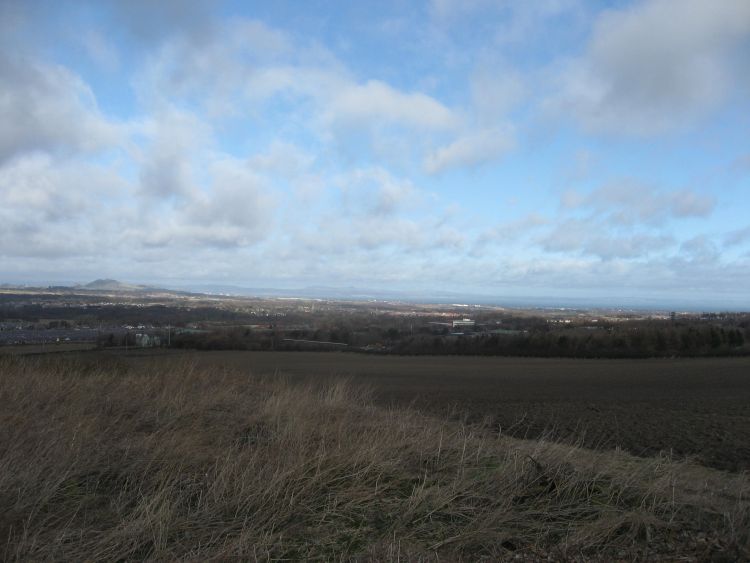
<point x="106" y="461"/>
<point x="697" y="408"/>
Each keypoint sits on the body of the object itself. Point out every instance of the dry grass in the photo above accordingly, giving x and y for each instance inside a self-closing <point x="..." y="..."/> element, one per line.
<point x="100" y="462"/>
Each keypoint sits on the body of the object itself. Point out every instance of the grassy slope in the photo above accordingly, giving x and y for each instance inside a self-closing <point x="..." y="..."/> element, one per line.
<point x="103" y="462"/>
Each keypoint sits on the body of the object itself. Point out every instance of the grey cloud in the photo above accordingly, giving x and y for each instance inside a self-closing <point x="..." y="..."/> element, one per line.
<point x="224" y="71"/>
<point x="175" y="140"/>
<point x="166" y="173"/>
<point x="238" y="198"/>
<point x="737" y="237"/>
<point x="152" y="21"/>
<point x="654" y="66"/>
<point x="47" y="108"/>
<point x="685" y="203"/>
<point x="700" y="249"/>
<point x="234" y="210"/>
<point x="741" y="165"/>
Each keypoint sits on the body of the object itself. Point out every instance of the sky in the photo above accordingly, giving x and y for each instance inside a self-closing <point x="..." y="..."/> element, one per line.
<point x="556" y="148"/>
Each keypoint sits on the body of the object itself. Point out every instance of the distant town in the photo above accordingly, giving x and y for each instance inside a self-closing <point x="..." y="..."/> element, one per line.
<point x="108" y="314"/>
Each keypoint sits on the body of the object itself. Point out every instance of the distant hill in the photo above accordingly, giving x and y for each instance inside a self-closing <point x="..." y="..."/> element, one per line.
<point x="111" y="285"/>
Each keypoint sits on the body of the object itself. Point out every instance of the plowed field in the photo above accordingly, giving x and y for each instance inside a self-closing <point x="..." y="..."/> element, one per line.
<point x="697" y="408"/>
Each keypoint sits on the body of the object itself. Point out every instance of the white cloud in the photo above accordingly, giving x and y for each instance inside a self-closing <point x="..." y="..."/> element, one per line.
<point x="376" y="192"/>
<point x="283" y="159"/>
<point x="57" y="208"/>
<point x="629" y="202"/>
<point x="495" y="90"/>
<point x="252" y="71"/>
<point x="471" y="150"/>
<point x="590" y="238"/>
<point x="623" y="220"/>
<point x="653" y="66"/>
<point x="48" y="108"/>
<point x="375" y="101"/>
<point x="257" y="152"/>
<point x="512" y="230"/>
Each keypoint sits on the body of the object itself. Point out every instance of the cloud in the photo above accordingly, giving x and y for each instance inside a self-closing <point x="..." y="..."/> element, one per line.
<point x="153" y="21"/>
<point x="41" y="190"/>
<point x="741" y="165"/>
<point x="46" y="107"/>
<point x="222" y="71"/>
<point x="302" y="152"/>
<point x="101" y="51"/>
<point x="700" y="249"/>
<point x="235" y="208"/>
<point x="57" y="208"/>
<point x="248" y="70"/>
<point x="495" y="89"/>
<point x="449" y="9"/>
<point x="376" y="192"/>
<point x="282" y="158"/>
<point x="512" y="230"/>
<point x="238" y="198"/>
<point x="471" y="150"/>
<point x="622" y="220"/>
<point x="368" y="211"/>
<point x="375" y="101"/>
<point x="519" y="18"/>
<point x="175" y="141"/>
<point x="590" y="238"/>
<point x="629" y="202"/>
<point x="653" y="66"/>
<point x="737" y="237"/>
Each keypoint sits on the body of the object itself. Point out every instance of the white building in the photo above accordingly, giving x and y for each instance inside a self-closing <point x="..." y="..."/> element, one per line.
<point x="463" y="323"/>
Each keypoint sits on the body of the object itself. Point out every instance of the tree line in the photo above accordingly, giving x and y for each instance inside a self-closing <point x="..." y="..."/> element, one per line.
<point x="625" y="340"/>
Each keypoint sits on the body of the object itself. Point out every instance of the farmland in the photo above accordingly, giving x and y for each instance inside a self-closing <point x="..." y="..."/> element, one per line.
<point x="696" y="408"/>
<point x="266" y="424"/>
<point x="187" y="458"/>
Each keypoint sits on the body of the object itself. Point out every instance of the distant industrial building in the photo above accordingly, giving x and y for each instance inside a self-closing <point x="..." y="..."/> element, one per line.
<point x="464" y="324"/>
